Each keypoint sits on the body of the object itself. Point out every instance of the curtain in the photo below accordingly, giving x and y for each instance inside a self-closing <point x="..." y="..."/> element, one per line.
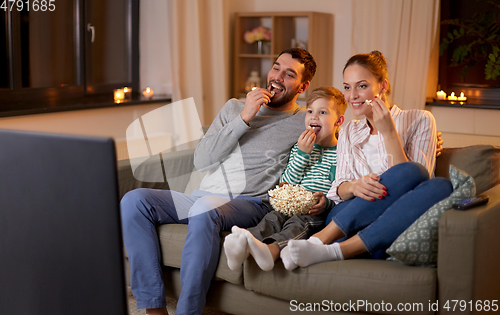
<point x="404" y="31"/>
<point x="199" y="31"/>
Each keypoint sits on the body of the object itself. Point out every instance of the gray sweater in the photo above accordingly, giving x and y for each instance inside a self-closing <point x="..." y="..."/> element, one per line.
<point x="247" y="160"/>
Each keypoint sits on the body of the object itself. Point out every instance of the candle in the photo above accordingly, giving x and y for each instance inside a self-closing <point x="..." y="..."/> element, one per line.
<point x="452" y="97"/>
<point x="462" y="97"/>
<point x="148" y="93"/>
<point x="441" y="95"/>
<point x="127" y="92"/>
<point x="119" y="95"/>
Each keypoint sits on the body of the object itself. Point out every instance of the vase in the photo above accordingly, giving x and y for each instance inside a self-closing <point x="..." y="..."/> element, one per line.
<point x="263" y="47"/>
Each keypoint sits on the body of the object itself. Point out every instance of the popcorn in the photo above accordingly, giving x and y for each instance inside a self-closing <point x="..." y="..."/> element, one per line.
<point x="291" y="199"/>
<point x="369" y="102"/>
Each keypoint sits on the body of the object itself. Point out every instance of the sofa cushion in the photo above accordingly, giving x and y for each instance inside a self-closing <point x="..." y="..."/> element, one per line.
<point x="172" y="237"/>
<point x="347" y="281"/>
<point x="418" y="244"/>
<point x="482" y="162"/>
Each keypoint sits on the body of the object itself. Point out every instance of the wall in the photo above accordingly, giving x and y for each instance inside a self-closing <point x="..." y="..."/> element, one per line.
<point x="467" y="126"/>
<point x="154" y="51"/>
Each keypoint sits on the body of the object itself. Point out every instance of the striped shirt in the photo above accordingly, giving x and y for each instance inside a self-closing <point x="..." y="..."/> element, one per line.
<point x="314" y="172"/>
<point x="417" y="132"/>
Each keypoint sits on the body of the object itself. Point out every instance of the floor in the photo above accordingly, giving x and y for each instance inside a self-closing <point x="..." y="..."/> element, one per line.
<point x="171" y="305"/>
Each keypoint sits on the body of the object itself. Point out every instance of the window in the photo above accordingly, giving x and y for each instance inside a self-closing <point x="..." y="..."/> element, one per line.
<point x="481" y="32"/>
<point x="72" y="56"/>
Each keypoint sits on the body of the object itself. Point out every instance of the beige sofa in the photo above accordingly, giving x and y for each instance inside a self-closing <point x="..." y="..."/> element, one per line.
<point x="467" y="278"/>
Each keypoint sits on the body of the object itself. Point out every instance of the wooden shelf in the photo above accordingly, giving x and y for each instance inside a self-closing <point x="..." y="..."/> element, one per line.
<point x="256" y="56"/>
<point x="313" y="28"/>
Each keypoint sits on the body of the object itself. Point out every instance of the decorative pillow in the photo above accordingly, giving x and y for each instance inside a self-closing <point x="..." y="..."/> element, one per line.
<point x="417" y="246"/>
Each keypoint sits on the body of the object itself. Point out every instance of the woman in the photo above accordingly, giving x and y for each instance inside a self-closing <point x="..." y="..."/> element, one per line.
<point x="385" y="162"/>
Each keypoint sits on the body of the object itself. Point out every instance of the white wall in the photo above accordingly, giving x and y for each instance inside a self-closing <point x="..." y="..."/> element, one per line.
<point x="154" y="52"/>
<point x="467" y="126"/>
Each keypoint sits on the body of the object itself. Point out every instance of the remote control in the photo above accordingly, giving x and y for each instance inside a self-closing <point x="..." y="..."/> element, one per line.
<point x="472" y="202"/>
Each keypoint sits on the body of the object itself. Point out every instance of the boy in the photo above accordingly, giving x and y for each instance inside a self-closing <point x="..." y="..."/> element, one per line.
<point x="312" y="166"/>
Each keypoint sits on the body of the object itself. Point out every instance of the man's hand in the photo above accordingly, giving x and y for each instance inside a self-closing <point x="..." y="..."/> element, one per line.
<point x="320" y="206"/>
<point x="306" y="141"/>
<point x="254" y="100"/>
<point x="439" y="144"/>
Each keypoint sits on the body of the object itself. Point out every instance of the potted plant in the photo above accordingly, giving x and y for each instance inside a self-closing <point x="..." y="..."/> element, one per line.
<point x="475" y="41"/>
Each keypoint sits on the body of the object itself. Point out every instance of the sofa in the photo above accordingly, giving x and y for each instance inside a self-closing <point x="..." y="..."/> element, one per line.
<point x="466" y="279"/>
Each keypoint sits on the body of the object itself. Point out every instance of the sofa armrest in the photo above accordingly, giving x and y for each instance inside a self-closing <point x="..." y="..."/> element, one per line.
<point x="469" y="253"/>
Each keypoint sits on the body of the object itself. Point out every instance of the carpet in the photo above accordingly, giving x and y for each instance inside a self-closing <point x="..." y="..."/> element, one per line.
<point x="171" y="305"/>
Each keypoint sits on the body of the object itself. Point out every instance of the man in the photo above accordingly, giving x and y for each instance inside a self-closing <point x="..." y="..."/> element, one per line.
<point x="244" y="152"/>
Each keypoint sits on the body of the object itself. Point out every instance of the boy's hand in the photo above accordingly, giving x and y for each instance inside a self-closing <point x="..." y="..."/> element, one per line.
<point x="306" y="141"/>
<point x="320" y="206"/>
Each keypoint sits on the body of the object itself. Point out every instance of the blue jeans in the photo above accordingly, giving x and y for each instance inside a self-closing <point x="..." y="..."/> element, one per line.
<point x="378" y="223"/>
<point x="206" y="214"/>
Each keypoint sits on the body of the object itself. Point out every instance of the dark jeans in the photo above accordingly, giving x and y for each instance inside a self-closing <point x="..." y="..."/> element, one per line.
<point x="378" y="223"/>
<point x="278" y="227"/>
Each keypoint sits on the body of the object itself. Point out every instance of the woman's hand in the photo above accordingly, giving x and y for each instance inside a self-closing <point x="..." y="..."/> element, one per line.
<point x="367" y="187"/>
<point x="382" y="118"/>
<point x="306" y="141"/>
<point x="320" y="206"/>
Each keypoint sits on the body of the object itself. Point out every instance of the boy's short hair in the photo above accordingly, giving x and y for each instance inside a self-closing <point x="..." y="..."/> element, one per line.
<point x="329" y="93"/>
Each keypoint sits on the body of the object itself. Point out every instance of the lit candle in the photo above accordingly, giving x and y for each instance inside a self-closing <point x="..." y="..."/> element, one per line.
<point x="441" y="95"/>
<point x="148" y="93"/>
<point x="118" y="95"/>
<point x="127" y="92"/>
<point x="462" y="97"/>
<point x="452" y="97"/>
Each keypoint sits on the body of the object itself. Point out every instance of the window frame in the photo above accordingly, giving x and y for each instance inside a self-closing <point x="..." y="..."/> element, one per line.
<point x="16" y="99"/>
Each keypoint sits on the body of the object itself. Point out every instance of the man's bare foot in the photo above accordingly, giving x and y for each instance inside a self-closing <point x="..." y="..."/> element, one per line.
<point x="157" y="311"/>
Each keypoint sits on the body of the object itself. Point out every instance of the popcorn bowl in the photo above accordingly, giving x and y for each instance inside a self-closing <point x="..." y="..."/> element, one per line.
<point x="291" y="206"/>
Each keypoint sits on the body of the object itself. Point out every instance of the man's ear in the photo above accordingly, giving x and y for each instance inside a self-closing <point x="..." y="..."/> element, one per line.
<point x="304" y="86"/>
<point x="340" y="120"/>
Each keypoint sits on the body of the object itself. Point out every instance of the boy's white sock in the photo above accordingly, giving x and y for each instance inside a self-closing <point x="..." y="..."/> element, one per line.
<point x="306" y="252"/>
<point x="287" y="259"/>
<point x="235" y="247"/>
<point x="257" y="249"/>
<point x="237" y="230"/>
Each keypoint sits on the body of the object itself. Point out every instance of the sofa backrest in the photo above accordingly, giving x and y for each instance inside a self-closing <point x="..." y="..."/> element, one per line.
<point x="482" y="162"/>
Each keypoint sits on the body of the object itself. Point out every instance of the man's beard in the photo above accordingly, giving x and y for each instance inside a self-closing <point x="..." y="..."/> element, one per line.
<point x="284" y="99"/>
